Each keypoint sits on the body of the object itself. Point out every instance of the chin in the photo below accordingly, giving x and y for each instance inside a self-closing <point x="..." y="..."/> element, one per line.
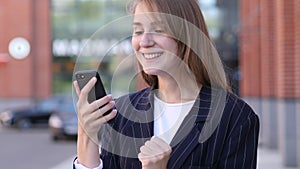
<point x="151" y="71"/>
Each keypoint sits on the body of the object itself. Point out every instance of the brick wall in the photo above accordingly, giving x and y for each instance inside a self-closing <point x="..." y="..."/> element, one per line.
<point x="269" y="48"/>
<point x="297" y="46"/>
<point x="30" y="77"/>
<point x="267" y="41"/>
<point x="250" y="48"/>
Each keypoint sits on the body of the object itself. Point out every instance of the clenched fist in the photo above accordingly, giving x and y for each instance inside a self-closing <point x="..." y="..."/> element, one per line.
<point x="155" y="154"/>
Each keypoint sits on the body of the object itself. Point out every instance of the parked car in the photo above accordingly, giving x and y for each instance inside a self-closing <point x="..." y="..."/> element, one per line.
<point x="35" y="114"/>
<point x="63" y="122"/>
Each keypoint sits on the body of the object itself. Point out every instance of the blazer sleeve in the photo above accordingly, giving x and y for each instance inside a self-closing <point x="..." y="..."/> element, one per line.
<point x="109" y="144"/>
<point x="240" y="150"/>
<point x="109" y="160"/>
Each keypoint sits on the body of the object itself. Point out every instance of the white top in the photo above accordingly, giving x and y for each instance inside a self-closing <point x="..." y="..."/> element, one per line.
<point x="167" y="119"/>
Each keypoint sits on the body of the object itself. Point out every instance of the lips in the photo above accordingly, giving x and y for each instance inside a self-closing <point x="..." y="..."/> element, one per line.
<point x="152" y="55"/>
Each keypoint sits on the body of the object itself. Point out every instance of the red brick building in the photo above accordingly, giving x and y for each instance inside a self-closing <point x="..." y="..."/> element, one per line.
<point x="30" y="77"/>
<point x="270" y="48"/>
<point x="269" y="61"/>
<point x="270" y="66"/>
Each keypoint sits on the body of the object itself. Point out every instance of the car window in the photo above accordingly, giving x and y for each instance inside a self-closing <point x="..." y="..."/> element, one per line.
<point x="54" y="102"/>
<point x="48" y="105"/>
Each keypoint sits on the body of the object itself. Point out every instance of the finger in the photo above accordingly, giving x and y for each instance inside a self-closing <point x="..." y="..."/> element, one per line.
<point x="98" y="113"/>
<point x="91" y="115"/>
<point x="146" y="159"/>
<point x="151" y="148"/>
<point x="106" y="108"/>
<point x="147" y="151"/>
<point x="95" y="106"/>
<point x="108" y="117"/>
<point x="77" y="89"/>
<point x="87" y="88"/>
<point x="96" y="116"/>
<point x="100" y="102"/>
<point x="140" y="156"/>
<point x="143" y="158"/>
<point x="160" y="144"/>
<point x="156" y="149"/>
<point x="159" y="141"/>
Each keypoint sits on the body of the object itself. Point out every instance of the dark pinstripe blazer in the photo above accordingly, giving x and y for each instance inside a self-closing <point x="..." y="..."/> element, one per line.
<point x="232" y="144"/>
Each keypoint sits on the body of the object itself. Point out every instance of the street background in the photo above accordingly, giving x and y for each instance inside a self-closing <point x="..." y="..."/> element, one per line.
<point x="34" y="149"/>
<point x="41" y="41"/>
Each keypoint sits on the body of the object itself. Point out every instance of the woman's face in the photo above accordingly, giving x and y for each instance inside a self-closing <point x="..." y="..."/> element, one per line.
<point x="155" y="49"/>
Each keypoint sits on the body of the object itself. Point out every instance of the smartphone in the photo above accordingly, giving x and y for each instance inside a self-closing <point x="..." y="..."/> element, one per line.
<point x="98" y="91"/>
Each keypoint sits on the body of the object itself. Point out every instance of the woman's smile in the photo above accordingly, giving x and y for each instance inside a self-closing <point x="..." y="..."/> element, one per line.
<point x="151" y="56"/>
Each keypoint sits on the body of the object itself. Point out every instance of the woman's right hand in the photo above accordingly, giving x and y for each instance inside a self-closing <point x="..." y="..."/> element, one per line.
<point x="90" y="115"/>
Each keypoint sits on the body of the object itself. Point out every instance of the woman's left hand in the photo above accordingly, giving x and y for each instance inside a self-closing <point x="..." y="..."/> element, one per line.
<point x="155" y="154"/>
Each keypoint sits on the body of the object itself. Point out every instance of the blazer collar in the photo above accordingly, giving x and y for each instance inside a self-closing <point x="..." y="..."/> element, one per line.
<point x="208" y="109"/>
<point x="187" y="136"/>
<point x="144" y="106"/>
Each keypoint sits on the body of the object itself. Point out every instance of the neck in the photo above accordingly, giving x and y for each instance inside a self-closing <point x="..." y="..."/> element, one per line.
<point x="177" y="89"/>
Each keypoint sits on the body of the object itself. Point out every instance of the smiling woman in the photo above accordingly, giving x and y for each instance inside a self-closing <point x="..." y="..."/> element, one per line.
<point x="155" y="50"/>
<point x="186" y="118"/>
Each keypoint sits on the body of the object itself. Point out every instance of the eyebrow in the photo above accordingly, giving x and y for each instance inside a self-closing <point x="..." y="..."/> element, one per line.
<point x="137" y="23"/>
<point x="152" y="23"/>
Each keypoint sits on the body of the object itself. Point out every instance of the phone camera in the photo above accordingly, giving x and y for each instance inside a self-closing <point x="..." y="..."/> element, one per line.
<point x="82" y="76"/>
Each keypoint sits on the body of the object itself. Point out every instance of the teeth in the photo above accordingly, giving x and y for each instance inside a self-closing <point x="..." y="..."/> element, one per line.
<point x="151" y="55"/>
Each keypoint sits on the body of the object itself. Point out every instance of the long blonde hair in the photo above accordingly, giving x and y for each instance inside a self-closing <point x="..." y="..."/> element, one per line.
<point x="209" y="62"/>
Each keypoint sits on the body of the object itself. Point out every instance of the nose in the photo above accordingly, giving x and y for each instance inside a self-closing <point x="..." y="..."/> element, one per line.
<point x="146" y="40"/>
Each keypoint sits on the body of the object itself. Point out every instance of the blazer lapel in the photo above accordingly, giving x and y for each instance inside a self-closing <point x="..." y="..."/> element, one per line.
<point x="141" y="119"/>
<point x="187" y="136"/>
<point x="145" y="119"/>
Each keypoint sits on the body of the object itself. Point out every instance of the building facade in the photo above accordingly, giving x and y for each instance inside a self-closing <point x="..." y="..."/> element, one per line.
<point x="270" y="66"/>
<point x="268" y="61"/>
<point x="29" y="77"/>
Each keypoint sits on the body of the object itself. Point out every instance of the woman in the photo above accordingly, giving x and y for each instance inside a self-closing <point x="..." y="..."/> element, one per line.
<point x="187" y="118"/>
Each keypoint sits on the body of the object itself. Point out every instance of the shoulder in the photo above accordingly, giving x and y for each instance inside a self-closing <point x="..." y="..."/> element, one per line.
<point x="238" y="106"/>
<point x="239" y="115"/>
<point x="235" y="115"/>
<point x="231" y="104"/>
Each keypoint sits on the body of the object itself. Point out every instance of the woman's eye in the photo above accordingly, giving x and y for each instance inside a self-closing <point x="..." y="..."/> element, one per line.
<point x="138" y="32"/>
<point x="159" y="31"/>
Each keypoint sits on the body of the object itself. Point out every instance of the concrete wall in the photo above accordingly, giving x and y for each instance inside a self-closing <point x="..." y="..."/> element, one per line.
<point x="280" y="125"/>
